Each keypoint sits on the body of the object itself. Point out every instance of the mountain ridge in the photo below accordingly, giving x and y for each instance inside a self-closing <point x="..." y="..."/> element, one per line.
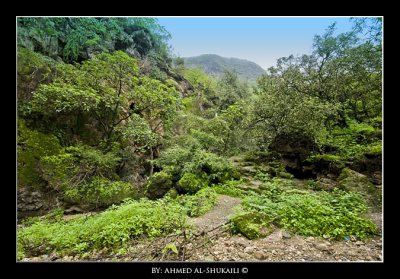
<point x="216" y="65"/>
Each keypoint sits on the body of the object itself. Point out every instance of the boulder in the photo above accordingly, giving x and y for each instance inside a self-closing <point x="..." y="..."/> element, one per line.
<point x="253" y="225"/>
<point x="260" y="255"/>
<point x="294" y="148"/>
<point x="190" y="183"/>
<point x="325" y="184"/>
<point x="351" y="180"/>
<point x="158" y="185"/>
<point x="29" y="200"/>
<point x="369" y="164"/>
<point x="326" y="164"/>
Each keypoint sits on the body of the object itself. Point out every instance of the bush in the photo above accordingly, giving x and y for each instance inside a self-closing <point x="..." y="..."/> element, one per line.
<point x="230" y="188"/>
<point x="158" y="185"/>
<point x="335" y="214"/>
<point x="109" y="229"/>
<point x="173" y="160"/>
<point x="77" y="165"/>
<point x="32" y="146"/>
<point x="190" y="183"/>
<point x="177" y="161"/>
<point x="208" y="141"/>
<point x="100" y="192"/>
<point x="218" y="169"/>
<point x="357" y="139"/>
<point x="199" y="203"/>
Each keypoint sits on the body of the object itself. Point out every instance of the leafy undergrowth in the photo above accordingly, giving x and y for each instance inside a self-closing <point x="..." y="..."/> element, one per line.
<point x="355" y="140"/>
<point x="200" y="203"/>
<point x="336" y="214"/>
<point x="230" y="188"/>
<point x="114" y="227"/>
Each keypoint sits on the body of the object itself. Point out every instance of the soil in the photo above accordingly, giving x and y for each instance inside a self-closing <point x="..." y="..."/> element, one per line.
<point x="218" y="216"/>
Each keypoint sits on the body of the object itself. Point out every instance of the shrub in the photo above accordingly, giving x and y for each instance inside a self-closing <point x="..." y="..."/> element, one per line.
<point x="200" y="203"/>
<point x="190" y="183"/>
<point x="173" y="160"/>
<point x="100" y="192"/>
<point x="158" y="185"/>
<point x="218" y="169"/>
<point x="334" y="214"/>
<point x="177" y="161"/>
<point x="230" y="188"/>
<point x="208" y="141"/>
<point x="77" y="165"/>
<point x="357" y="139"/>
<point x="32" y="146"/>
<point x="109" y="229"/>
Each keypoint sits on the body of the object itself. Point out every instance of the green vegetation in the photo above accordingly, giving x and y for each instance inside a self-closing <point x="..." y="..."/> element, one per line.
<point x="230" y="188"/>
<point x="216" y="65"/>
<point x="334" y="214"/>
<point x="193" y="169"/>
<point x="114" y="227"/>
<point x="109" y="119"/>
<point x="109" y="229"/>
<point x="252" y="224"/>
<point x="159" y="184"/>
<point x="200" y="203"/>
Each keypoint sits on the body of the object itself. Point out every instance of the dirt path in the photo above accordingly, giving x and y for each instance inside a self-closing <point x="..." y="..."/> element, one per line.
<point x="220" y="245"/>
<point x="279" y="246"/>
<point x="218" y="215"/>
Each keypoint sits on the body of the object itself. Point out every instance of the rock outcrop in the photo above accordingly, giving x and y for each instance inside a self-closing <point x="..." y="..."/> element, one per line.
<point x="294" y="149"/>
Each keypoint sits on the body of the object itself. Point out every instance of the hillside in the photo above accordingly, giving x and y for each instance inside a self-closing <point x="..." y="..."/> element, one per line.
<point x="124" y="154"/>
<point x="216" y="65"/>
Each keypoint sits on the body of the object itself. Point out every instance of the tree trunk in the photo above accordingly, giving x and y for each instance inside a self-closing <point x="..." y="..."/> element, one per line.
<point x="151" y="164"/>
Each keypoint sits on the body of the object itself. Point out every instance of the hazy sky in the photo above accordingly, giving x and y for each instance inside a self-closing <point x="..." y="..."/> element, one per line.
<point x="259" y="39"/>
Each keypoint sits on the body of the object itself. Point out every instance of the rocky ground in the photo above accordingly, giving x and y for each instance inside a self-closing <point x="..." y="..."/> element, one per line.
<point x="218" y="216"/>
<point x="213" y="242"/>
<point x="281" y="246"/>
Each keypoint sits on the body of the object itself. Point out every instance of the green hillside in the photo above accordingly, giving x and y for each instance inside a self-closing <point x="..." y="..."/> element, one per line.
<point x="216" y="65"/>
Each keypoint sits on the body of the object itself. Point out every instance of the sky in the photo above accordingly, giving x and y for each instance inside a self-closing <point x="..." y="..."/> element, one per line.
<point x="259" y="39"/>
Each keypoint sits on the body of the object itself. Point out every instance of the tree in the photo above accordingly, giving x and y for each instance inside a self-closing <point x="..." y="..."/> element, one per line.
<point x="344" y="70"/>
<point x="106" y="91"/>
<point x="78" y="39"/>
<point x="231" y="89"/>
<point x="278" y="109"/>
<point x="204" y="87"/>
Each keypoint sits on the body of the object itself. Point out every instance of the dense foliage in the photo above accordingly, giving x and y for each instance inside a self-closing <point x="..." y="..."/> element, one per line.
<point x="107" y="114"/>
<point x="109" y="229"/>
<point x="336" y="214"/>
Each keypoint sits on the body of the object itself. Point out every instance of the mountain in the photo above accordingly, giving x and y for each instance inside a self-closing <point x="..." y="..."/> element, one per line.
<point x="215" y="65"/>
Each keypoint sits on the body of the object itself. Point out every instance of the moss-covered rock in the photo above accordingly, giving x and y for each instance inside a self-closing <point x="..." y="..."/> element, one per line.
<point x="350" y="180"/>
<point x="325" y="184"/>
<point x="158" y="185"/>
<point x="252" y="224"/>
<point x="368" y="164"/>
<point x="285" y="175"/>
<point x="190" y="183"/>
<point x="326" y="164"/>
